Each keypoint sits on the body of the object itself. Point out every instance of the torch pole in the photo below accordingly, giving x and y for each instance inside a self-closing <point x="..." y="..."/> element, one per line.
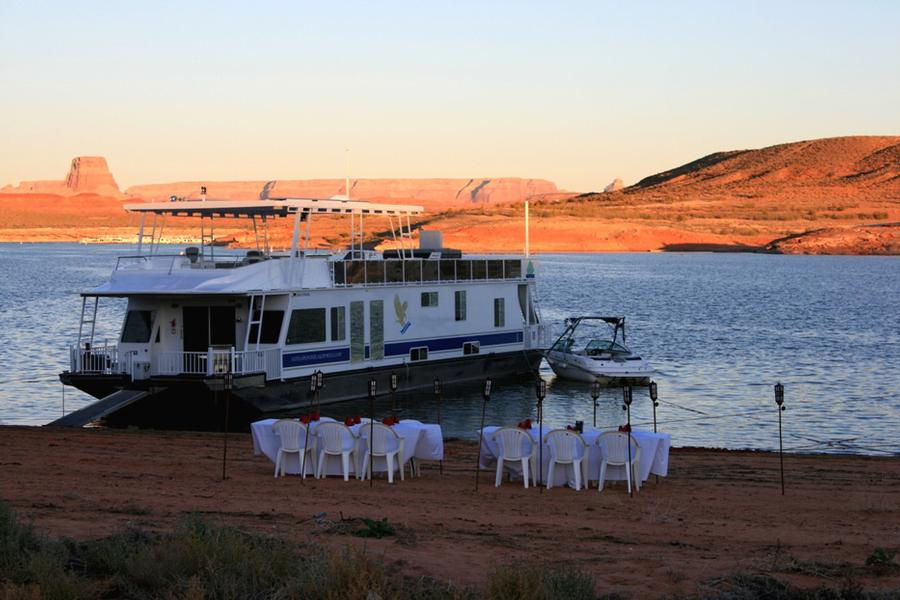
<point x="480" y="442"/>
<point x="541" y="445"/>
<point x="779" y="400"/>
<point x="440" y="398"/>
<point x="371" y="437"/>
<point x="781" y="452"/>
<point x="630" y="465"/>
<point x="226" y="381"/>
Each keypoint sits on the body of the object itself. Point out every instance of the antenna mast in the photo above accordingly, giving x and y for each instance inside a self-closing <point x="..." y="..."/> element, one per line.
<point x="347" y="171"/>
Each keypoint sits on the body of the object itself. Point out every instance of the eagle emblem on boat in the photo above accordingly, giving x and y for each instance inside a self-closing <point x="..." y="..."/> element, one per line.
<point x="400" y="307"/>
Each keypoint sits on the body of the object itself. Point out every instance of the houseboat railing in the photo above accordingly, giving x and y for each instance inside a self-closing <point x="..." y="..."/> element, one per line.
<point x="95" y="359"/>
<point x="349" y="273"/>
<point x="109" y="360"/>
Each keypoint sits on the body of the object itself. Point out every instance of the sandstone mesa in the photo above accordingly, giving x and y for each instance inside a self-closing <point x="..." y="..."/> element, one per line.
<point x="827" y="196"/>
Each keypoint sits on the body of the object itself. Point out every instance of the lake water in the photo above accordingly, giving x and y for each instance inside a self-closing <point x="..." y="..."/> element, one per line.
<point x="720" y="328"/>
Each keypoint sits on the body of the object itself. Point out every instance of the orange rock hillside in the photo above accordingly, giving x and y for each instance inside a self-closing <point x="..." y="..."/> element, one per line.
<point x="826" y="196"/>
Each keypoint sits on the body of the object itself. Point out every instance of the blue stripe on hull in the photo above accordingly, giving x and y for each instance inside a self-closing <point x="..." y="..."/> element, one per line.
<point x="314" y="357"/>
<point x="454" y="343"/>
<point x="332" y="355"/>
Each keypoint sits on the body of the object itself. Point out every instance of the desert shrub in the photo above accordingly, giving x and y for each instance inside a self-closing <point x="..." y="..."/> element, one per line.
<point x="881" y="557"/>
<point x="201" y="559"/>
<point x="538" y="582"/>
<point x="33" y="566"/>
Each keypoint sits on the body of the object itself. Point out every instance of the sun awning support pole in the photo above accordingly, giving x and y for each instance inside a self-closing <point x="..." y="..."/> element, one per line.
<point x="255" y="232"/>
<point x="409" y="232"/>
<point x="295" y="241"/>
<point x="394" y="234"/>
<point x="305" y="247"/>
<point x="140" y="236"/>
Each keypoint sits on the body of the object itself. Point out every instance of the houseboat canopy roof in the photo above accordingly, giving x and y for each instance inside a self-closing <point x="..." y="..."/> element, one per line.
<point x="272" y="207"/>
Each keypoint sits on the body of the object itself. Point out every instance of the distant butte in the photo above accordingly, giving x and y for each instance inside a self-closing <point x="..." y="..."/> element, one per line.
<point x="87" y="175"/>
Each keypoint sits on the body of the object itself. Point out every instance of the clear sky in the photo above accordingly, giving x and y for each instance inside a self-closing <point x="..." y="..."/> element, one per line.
<point x="575" y="92"/>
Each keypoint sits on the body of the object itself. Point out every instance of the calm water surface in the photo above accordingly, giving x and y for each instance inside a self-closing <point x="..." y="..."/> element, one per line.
<point x="720" y="328"/>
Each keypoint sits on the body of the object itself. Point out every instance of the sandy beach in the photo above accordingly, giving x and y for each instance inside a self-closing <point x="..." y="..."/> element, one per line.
<point x="717" y="513"/>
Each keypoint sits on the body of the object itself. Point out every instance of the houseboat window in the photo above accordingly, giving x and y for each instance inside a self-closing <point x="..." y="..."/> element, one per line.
<point x="429" y="298"/>
<point x="464" y="269"/>
<point x="354" y="271"/>
<point x="376" y="329"/>
<point x="412" y="270"/>
<point x="137" y="327"/>
<point x="339" y="277"/>
<point x="513" y="269"/>
<point x="448" y="270"/>
<point x="374" y="271"/>
<point x="499" y="312"/>
<point x="460" y="308"/>
<point x="338" y="323"/>
<point x="307" y="326"/>
<point x="393" y="270"/>
<point x="495" y="269"/>
<point x="430" y="270"/>
<point x="357" y="331"/>
<point x="418" y="353"/>
<point x="471" y="348"/>
<point x="479" y="269"/>
<point x="271" y="327"/>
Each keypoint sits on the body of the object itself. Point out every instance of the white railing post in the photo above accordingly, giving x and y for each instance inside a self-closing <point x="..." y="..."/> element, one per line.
<point x="232" y="369"/>
<point x="210" y="357"/>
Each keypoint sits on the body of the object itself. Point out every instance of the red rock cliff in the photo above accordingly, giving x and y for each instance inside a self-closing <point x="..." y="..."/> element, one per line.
<point x="430" y="192"/>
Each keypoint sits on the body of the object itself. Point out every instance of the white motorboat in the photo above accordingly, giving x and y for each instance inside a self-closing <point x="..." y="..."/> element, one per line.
<point x="593" y="349"/>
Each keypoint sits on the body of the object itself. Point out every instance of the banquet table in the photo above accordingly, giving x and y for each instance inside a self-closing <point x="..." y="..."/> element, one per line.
<point x="654" y="459"/>
<point x="422" y="441"/>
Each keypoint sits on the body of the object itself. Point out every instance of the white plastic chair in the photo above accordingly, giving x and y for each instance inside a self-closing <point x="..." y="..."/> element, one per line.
<point x="415" y="469"/>
<point x="293" y="435"/>
<point x="512" y="443"/>
<point x="567" y="448"/>
<point x="614" y="447"/>
<point x="335" y="439"/>
<point x="385" y="442"/>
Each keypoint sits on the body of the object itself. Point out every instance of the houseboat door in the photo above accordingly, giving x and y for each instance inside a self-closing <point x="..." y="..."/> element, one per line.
<point x="206" y="326"/>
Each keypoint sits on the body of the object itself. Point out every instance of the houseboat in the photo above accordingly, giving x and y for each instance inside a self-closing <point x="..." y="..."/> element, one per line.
<point x="267" y="322"/>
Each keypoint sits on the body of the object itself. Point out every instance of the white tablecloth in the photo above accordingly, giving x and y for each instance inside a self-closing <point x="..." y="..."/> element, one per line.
<point x="423" y="441"/>
<point x="654" y="455"/>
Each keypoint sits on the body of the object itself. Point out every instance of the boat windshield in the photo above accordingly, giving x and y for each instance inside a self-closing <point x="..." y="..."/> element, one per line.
<point x="605" y="346"/>
<point x="593" y="337"/>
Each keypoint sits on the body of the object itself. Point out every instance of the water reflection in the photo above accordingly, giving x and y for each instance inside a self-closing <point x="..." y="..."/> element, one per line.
<point x="720" y="329"/>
